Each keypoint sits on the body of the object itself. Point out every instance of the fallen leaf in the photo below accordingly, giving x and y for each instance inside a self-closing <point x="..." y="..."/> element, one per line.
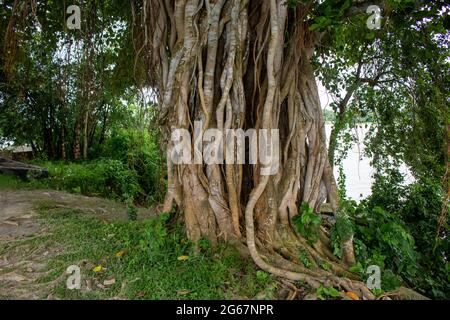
<point x="109" y="282"/>
<point x="352" y="295"/>
<point x="183" y="292"/>
<point x="120" y="253"/>
<point x="97" y="268"/>
<point x="183" y="258"/>
<point x="140" y="294"/>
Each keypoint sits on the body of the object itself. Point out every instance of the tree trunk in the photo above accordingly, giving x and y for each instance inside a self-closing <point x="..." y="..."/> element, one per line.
<point x="63" y="143"/>
<point x="77" y="143"/>
<point x="85" y="135"/>
<point x="233" y="64"/>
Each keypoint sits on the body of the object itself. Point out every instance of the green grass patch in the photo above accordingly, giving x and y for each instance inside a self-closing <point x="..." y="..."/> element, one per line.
<point x="147" y="259"/>
<point x="9" y="182"/>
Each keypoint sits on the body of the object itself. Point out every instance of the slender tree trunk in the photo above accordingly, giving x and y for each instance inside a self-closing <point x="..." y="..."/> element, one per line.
<point x="77" y="142"/>
<point x="63" y="143"/>
<point x="85" y="135"/>
<point x="103" y="130"/>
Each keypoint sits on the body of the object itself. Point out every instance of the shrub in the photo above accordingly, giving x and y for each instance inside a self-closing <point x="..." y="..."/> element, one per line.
<point x="131" y="170"/>
<point x="307" y="223"/>
<point x="395" y="228"/>
<point x="106" y="178"/>
<point x="139" y="151"/>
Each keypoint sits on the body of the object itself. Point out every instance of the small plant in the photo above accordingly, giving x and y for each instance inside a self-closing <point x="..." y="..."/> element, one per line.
<point x="305" y="259"/>
<point x="307" y="223"/>
<point x="343" y="228"/>
<point x="377" y="292"/>
<point x="326" y="292"/>
<point x="132" y="212"/>
<point x="204" y="244"/>
<point x="390" y="281"/>
<point x="326" y="266"/>
<point x="262" y="276"/>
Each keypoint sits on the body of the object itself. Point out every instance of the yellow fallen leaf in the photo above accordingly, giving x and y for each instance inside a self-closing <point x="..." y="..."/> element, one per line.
<point x="120" y="253"/>
<point x="97" y="268"/>
<point x="352" y="295"/>
<point x="183" y="258"/>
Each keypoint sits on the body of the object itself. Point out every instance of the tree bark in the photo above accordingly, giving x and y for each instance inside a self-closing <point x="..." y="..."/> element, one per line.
<point x="77" y="143"/>
<point x="233" y="64"/>
<point x="85" y="135"/>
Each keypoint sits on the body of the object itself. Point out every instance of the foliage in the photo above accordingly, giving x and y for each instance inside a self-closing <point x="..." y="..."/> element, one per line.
<point x="307" y="223"/>
<point x="343" y="229"/>
<point x="139" y="151"/>
<point x="107" y="178"/>
<point x="326" y="292"/>
<point x="397" y="78"/>
<point x="131" y="211"/>
<point x="262" y="276"/>
<point x="400" y="241"/>
<point x="304" y="258"/>
<point x="418" y="205"/>
<point x="12" y="183"/>
<point x="60" y="91"/>
<point x="373" y="79"/>
<point x="133" y="174"/>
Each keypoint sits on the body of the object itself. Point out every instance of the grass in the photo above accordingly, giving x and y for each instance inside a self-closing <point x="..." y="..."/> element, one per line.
<point x="12" y="183"/>
<point x="150" y="259"/>
<point x="147" y="259"/>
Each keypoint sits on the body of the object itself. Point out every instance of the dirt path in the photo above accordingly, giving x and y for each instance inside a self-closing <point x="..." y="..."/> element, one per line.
<point x="22" y="265"/>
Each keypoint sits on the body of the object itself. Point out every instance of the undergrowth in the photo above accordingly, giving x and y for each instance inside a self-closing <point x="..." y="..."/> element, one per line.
<point x="146" y="260"/>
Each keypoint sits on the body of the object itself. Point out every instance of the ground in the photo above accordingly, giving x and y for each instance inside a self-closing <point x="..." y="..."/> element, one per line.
<point x="42" y="232"/>
<point x="22" y="262"/>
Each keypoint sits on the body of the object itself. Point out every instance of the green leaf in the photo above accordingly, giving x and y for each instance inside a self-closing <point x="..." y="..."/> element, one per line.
<point x="261" y="275"/>
<point x="327" y="292"/>
<point x="370" y="36"/>
<point x="313" y="27"/>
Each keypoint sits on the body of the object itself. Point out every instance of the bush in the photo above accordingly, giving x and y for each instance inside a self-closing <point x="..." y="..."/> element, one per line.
<point x="105" y="178"/>
<point x="139" y="151"/>
<point x="131" y="169"/>
<point x="307" y="223"/>
<point x="395" y="228"/>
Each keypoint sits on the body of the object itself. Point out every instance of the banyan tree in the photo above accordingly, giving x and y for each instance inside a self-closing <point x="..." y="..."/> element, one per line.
<point x="246" y="64"/>
<point x="231" y="66"/>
